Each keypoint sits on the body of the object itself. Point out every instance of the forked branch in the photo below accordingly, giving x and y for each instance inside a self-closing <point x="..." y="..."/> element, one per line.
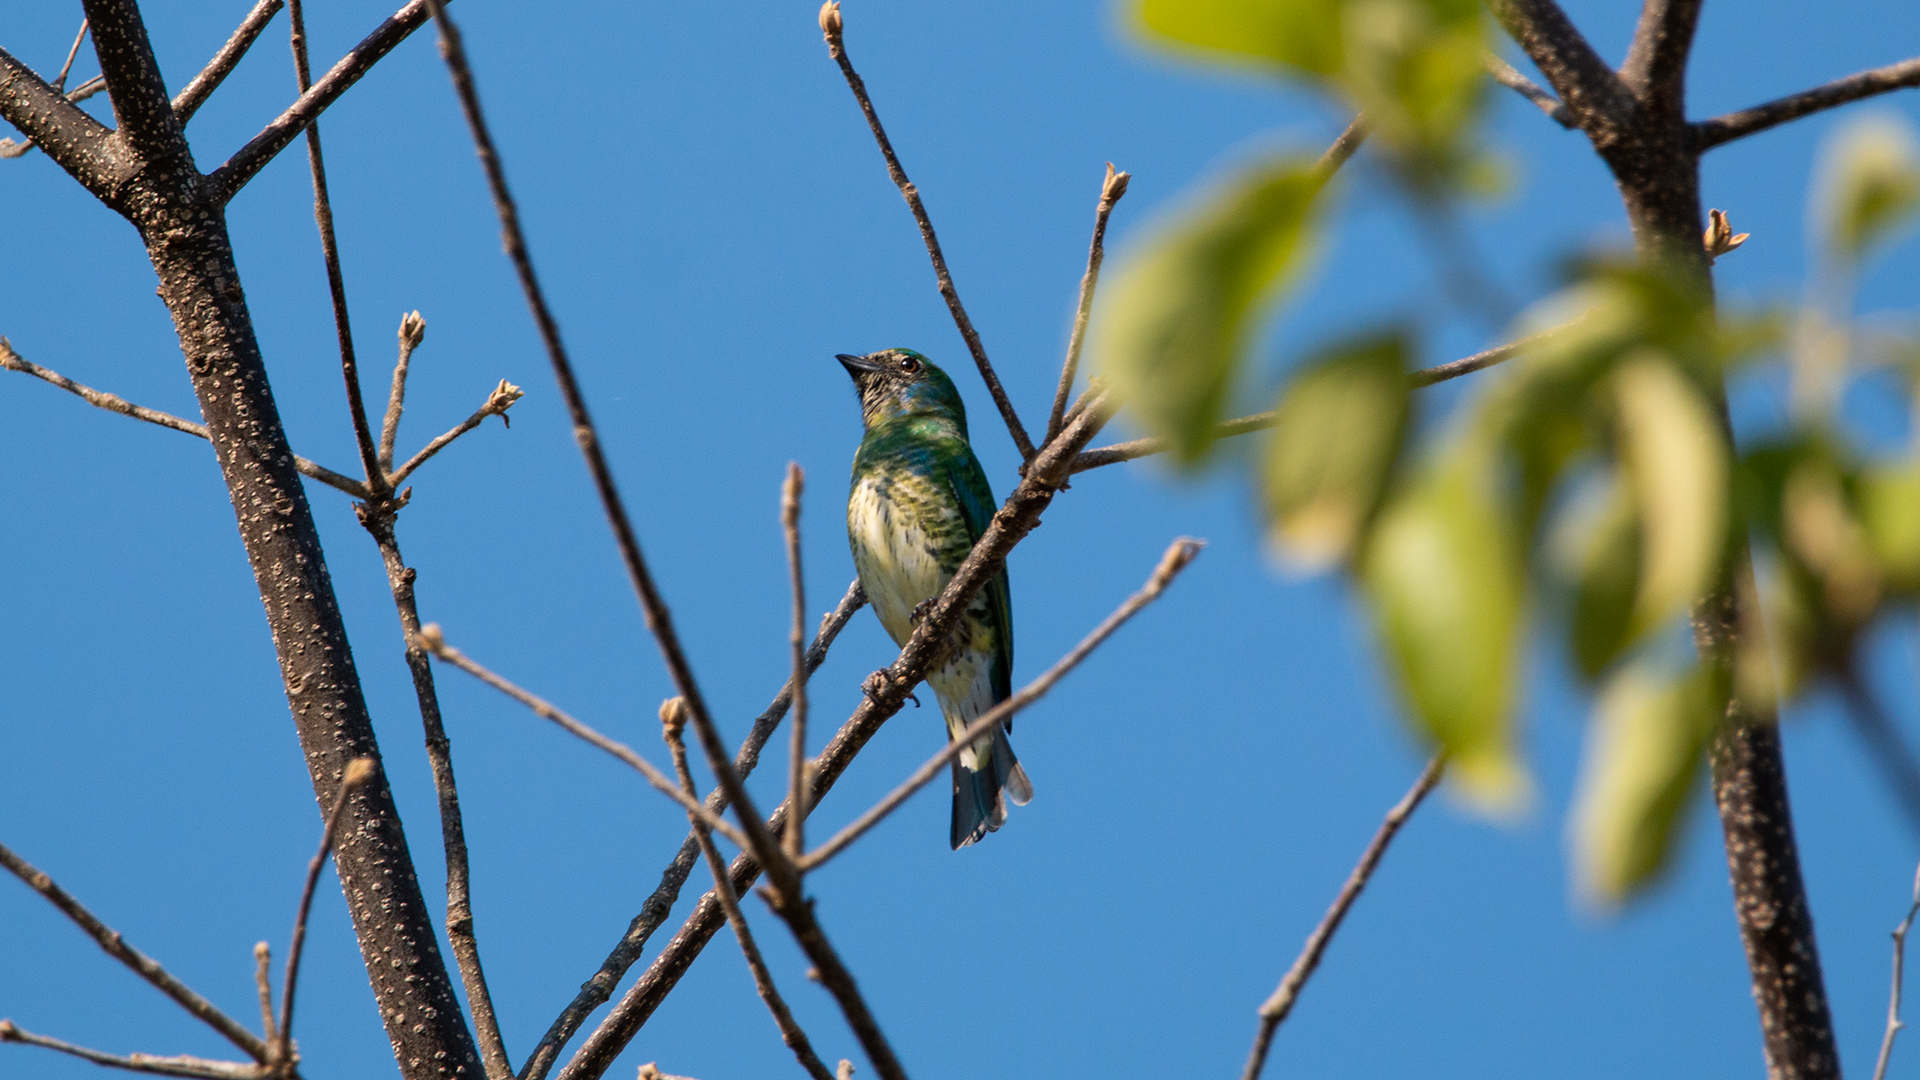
<point x="1894" y="1023"/>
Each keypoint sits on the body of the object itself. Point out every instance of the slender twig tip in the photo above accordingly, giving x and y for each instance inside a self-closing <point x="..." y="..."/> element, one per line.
<point x="1116" y="185"/>
<point x="262" y="951"/>
<point x="1179" y="554"/>
<point x="845" y="1071"/>
<point x="790" y="494"/>
<point x="359" y="771"/>
<point x="7" y="1030"/>
<point x="1720" y="237"/>
<point x="673" y="716"/>
<point x="830" y="21"/>
<point x="413" y="330"/>
<point x="431" y="638"/>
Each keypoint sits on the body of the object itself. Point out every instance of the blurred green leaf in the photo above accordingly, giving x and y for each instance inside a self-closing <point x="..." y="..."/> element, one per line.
<point x="1340" y="425"/>
<point x="1415" y="68"/>
<point x="1443" y="572"/>
<point x="1869" y="185"/>
<point x="1643" y="759"/>
<point x="1890" y="512"/>
<point x="1674" y="456"/>
<point x="1176" y="321"/>
<point x="1602" y="538"/>
<point x="1301" y="34"/>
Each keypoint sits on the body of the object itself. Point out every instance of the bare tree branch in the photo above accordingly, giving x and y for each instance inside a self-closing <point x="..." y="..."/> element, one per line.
<point x="1009" y="526"/>
<point x="1177" y="556"/>
<point x="431" y="639"/>
<point x="797" y="910"/>
<point x="1894" y="1023"/>
<point x="1274" y="1011"/>
<point x="142" y="965"/>
<point x="144" y="120"/>
<point x="263" y="985"/>
<point x="1655" y="71"/>
<point x="78" y="143"/>
<point x="377" y="485"/>
<point x="1598" y="101"/>
<point x="358" y="772"/>
<point x="182" y="1065"/>
<point x="1111" y="191"/>
<point x="413" y="331"/>
<point x="498" y="402"/>
<point x="60" y="81"/>
<point x="228" y="179"/>
<point x="13" y="361"/>
<point x="672" y="718"/>
<point x="797" y="765"/>
<point x="833" y="26"/>
<point x="596" y="990"/>
<point x="1708" y="134"/>
<point x="1453" y="369"/>
<point x="195" y="94"/>
<point x="1504" y="74"/>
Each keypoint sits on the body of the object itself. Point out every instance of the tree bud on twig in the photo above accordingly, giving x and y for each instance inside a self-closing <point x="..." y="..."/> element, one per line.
<point x="830" y="23"/>
<point x="1720" y="237"/>
<point x="359" y="771"/>
<point x="431" y="639"/>
<point x="1115" y="187"/>
<point x="673" y="715"/>
<point x="413" y="330"/>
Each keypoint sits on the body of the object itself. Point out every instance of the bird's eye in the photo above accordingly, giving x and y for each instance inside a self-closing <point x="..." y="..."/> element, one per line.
<point x="909" y="365"/>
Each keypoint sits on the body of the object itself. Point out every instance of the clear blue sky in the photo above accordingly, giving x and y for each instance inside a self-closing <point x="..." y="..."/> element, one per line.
<point x="713" y="223"/>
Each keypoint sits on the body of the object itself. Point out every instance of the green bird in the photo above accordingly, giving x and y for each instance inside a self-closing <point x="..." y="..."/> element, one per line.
<point x="918" y="503"/>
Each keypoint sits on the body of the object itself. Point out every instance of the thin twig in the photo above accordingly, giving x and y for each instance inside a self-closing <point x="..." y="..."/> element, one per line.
<point x="1111" y="191"/>
<point x="1505" y="74"/>
<point x="195" y="94"/>
<point x="1453" y="369"/>
<point x="833" y="26"/>
<point x="797" y="766"/>
<point x="1276" y="1008"/>
<point x="1894" y="1023"/>
<point x="143" y="965"/>
<point x="1178" y="555"/>
<point x="379" y="522"/>
<point x="413" y="331"/>
<point x="247" y="162"/>
<point x="1708" y="134"/>
<point x="13" y="361"/>
<point x="60" y="83"/>
<point x="673" y="723"/>
<point x="182" y="1065"/>
<point x="377" y="486"/>
<point x="263" y="984"/>
<point x="431" y="639"/>
<point x="354" y="777"/>
<point x="498" y="402"/>
<point x="596" y="990"/>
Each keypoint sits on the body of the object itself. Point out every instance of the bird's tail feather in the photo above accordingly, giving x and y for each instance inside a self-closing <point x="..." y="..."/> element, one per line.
<point x="980" y="795"/>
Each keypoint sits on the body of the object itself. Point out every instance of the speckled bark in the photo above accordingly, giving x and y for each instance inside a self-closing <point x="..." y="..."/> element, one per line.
<point x="145" y="171"/>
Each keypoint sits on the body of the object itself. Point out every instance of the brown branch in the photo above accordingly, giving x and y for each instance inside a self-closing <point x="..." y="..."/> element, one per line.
<point x="358" y="772"/>
<point x="183" y="1065"/>
<point x="1453" y="369"/>
<point x="413" y="331"/>
<point x="1894" y="1023"/>
<point x="498" y="402"/>
<point x="672" y="722"/>
<point x="263" y="985"/>
<point x="78" y="143"/>
<point x="60" y="81"/>
<point x="195" y="94"/>
<point x="1111" y="191"/>
<point x="377" y="484"/>
<point x="1598" y="101"/>
<point x="596" y="990"/>
<point x="431" y="639"/>
<point x="833" y="26"/>
<point x="228" y="179"/>
<point x="1655" y="71"/>
<point x="1708" y="134"/>
<point x="797" y="910"/>
<point x="1274" y="1011"/>
<point x="1505" y="74"/>
<point x="453" y="837"/>
<point x="797" y="765"/>
<point x="1178" y="555"/>
<point x="142" y="965"/>
<point x="13" y="361"/>
<point x="1016" y="517"/>
<point x="145" y="124"/>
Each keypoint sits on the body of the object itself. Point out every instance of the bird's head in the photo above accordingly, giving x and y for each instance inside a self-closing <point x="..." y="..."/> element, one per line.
<point x="895" y="383"/>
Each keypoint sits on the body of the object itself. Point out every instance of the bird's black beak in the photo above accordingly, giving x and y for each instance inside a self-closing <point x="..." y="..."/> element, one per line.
<point x="856" y="365"/>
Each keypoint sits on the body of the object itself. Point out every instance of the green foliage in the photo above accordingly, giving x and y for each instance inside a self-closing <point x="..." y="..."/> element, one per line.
<point x="1303" y="35"/>
<point x="1643" y="760"/>
<point x="1602" y="544"/>
<point x="1869" y="186"/>
<point x="1443" y="572"/>
<point x="1340" y="425"/>
<point x="1176" y="318"/>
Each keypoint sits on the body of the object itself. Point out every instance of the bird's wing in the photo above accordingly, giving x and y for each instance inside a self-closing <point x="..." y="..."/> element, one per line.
<point x="975" y="498"/>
